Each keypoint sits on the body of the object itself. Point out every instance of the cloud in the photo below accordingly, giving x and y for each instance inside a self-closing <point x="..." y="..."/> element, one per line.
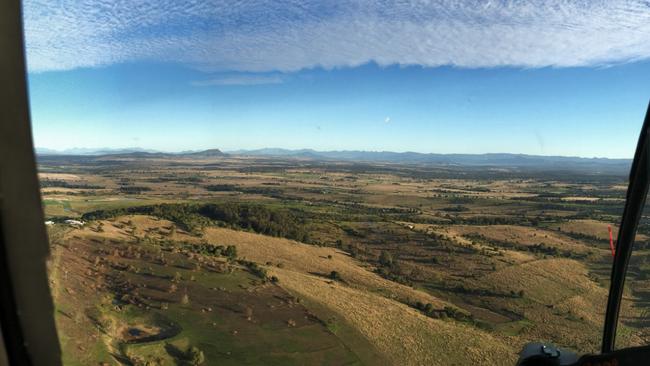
<point x="387" y="120"/>
<point x="240" y="80"/>
<point x="290" y="35"/>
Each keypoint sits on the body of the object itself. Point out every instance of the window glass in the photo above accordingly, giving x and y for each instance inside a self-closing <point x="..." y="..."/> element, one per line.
<point x="302" y="182"/>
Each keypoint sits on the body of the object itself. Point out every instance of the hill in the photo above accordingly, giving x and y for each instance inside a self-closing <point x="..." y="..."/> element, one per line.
<point x="120" y="271"/>
<point x="514" y="162"/>
<point x="597" y="165"/>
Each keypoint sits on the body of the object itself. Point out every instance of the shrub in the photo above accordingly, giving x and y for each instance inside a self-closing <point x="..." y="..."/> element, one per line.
<point x="386" y="259"/>
<point x="335" y="276"/>
<point x="428" y="307"/>
<point x="255" y="269"/>
<point x="195" y="356"/>
<point x="177" y="277"/>
<point x="231" y="252"/>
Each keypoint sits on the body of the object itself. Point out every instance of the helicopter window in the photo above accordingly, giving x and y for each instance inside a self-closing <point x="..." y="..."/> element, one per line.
<point x="299" y="182"/>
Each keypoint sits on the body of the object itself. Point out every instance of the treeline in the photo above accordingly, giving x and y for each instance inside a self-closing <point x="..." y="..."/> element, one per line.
<point x="267" y="191"/>
<point x="540" y="248"/>
<point x="185" y="215"/>
<point x="590" y="239"/>
<point x="173" y="178"/>
<point x="457" y="208"/>
<point x="449" y="312"/>
<point x="134" y="189"/>
<point x="63" y="184"/>
<point x="193" y="217"/>
<point x="222" y="188"/>
<point x="488" y="220"/>
<point x="261" y="219"/>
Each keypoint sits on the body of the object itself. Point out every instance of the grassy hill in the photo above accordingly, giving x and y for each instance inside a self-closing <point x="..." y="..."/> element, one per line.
<point x="149" y="301"/>
<point x="151" y="292"/>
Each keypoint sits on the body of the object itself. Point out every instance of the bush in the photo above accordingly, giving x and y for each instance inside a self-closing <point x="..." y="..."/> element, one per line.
<point x="428" y="308"/>
<point x="335" y="276"/>
<point x="195" y="356"/>
<point x="231" y="252"/>
<point x="386" y="259"/>
<point x="255" y="269"/>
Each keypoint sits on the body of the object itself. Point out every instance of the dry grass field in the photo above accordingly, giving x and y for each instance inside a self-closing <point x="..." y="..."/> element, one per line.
<point x="376" y="263"/>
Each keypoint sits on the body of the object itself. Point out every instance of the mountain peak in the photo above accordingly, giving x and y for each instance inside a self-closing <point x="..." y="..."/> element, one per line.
<point x="209" y="152"/>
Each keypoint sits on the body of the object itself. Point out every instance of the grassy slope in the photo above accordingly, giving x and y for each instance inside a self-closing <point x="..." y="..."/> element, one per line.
<point x="85" y="291"/>
<point x="401" y="333"/>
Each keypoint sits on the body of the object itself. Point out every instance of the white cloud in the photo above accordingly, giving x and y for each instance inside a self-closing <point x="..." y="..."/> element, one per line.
<point x="290" y="35"/>
<point x="387" y="120"/>
<point x="240" y="80"/>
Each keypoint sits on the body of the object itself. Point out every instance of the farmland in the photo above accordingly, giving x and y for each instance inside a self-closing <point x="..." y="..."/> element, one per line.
<point x="253" y="260"/>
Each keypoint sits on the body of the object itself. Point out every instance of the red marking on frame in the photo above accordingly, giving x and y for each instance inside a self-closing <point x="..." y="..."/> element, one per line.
<point x="611" y="240"/>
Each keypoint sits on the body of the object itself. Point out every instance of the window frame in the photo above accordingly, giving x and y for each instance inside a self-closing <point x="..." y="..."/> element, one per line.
<point x="26" y="308"/>
<point x="635" y="199"/>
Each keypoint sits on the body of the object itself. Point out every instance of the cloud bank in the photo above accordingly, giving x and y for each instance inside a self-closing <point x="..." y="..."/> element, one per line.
<point x="290" y="35"/>
<point x="240" y="80"/>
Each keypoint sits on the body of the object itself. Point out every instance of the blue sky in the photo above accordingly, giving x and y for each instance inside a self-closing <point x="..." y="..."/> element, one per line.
<point x="543" y="77"/>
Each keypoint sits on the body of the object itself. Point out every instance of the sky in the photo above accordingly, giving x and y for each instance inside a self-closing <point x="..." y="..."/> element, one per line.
<point x="539" y="77"/>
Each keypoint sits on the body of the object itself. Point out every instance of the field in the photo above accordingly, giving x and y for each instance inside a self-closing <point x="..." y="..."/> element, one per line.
<point x="273" y="261"/>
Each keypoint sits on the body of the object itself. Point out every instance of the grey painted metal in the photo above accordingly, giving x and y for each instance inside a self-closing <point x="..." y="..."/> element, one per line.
<point x="23" y="244"/>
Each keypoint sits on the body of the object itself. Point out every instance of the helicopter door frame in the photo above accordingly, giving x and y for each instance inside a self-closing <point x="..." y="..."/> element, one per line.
<point x="637" y="192"/>
<point x="26" y="310"/>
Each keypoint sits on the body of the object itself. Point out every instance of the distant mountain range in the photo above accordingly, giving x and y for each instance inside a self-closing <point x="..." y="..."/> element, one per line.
<point x="490" y="159"/>
<point x="132" y="151"/>
<point x="600" y="165"/>
<point x="90" y="151"/>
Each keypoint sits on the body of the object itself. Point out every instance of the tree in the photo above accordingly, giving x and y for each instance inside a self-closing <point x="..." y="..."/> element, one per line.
<point x="185" y="299"/>
<point x="335" y="275"/>
<point x="177" y="277"/>
<point x="428" y="308"/>
<point x="231" y="252"/>
<point x="195" y="356"/>
<point x="386" y="259"/>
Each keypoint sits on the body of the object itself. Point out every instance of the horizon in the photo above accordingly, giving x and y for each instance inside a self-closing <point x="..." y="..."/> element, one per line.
<point x="136" y="149"/>
<point x="567" y="80"/>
